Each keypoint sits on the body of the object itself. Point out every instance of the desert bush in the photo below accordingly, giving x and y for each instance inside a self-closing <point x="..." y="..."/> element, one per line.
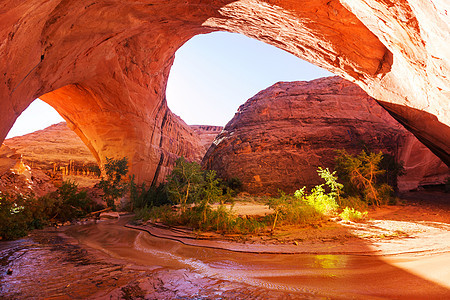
<point x="141" y="196"/>
<point x="292" y="210"/>
<point x="353" y="202"/>
<point x="361" y="175"/>
<point x="20" y="213"/>
<point x="351" y="214"/>
<point x="15" y="216"/>
<point x="68" y="203"/>
<point x="113" y="184"/>
<point x="184" y="182"/>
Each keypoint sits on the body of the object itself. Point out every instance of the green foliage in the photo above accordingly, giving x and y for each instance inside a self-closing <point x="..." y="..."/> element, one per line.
<point x="67" y="203"/>
<point x="393" y="170"/>
<point x="330" y="180"/>
<point x="113" y="184"/>
<point x="15" y="216"/>
<point x="360" y="174"/>
<point x="231" y="187"/>
<point x="219" y="220"/>
<point x="210" y="192"/>
<point x="351" y="214"/>
<point x="184" y="182"/>
<point x="322" y="202"/>
<point x="141" y="197"/>
<point x="21" y="213"/>
<point x="353" y="202"/>
<point x="292" y="210"/>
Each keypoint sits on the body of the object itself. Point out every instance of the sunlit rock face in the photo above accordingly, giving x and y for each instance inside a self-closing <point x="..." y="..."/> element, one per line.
<point x="52" y="148"/>
<point x="17" y="177"/>
<point x="278" y="138"/>
<point x="103" y="65"/>
<point x="207" y="134"/>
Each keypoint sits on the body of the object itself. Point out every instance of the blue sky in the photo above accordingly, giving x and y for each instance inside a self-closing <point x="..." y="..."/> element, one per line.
<point x="212" y="75"/>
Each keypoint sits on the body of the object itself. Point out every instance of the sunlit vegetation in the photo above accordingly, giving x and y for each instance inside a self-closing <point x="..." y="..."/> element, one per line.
<point x="187" y="198"/>
<point x="365" y="178"/>
<point x="190" y="191"/>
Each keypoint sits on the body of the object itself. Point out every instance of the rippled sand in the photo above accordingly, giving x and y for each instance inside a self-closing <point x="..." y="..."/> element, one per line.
<point x="109" y="261"/>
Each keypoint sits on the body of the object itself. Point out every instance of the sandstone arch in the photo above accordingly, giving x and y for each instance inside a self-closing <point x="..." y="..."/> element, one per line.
<point x="104" y="64"/>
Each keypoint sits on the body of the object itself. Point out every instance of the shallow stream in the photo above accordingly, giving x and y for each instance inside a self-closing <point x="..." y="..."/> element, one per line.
<point x="137" y="265"/>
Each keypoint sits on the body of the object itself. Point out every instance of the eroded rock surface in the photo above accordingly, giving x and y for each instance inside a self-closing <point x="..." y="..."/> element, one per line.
<point x="103" y="65"/>
<point x="18" y="177"/>
<point x="207" y="134"/>
<point x="279" y="137"/>
<point x="53" y="149"/>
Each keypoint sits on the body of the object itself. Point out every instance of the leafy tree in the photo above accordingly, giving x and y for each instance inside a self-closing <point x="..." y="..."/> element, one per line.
<point x="330" y="180"/>
<point x="361" y="175"/>
<point x="211" y="191"/>
<point x="184" y="182"/>
<point x="113" y="184"/>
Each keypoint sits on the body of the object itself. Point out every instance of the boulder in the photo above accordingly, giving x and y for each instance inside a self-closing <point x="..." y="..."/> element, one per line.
<point x="278" y="138"/>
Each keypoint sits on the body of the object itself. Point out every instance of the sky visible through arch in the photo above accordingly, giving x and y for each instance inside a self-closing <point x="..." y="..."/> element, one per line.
<point x="211" y="77"/>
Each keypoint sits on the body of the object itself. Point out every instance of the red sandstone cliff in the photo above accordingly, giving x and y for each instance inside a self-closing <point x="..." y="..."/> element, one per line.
<point x="207" y="134"/>
<point x="279" y="137"/>
<point x="53" y="149"/>
<point x="103" y="65"/>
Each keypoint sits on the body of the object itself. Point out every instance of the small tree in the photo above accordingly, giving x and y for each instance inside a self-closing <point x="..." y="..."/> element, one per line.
<point x="330" y="180"/>
<point x="211" y="191"/>
<point x="113" y="184"/>
<point x="184" y="181"/>
<point x="361" y="173"/>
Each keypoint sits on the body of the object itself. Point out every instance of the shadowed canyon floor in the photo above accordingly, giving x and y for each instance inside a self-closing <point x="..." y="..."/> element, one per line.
<point x="108" y="261"/>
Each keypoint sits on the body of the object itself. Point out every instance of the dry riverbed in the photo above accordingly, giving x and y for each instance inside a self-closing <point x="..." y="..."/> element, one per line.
<point x="401" y="252"/>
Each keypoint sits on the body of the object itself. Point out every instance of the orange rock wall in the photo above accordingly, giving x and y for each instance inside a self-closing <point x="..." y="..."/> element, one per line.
<point x="279" y="137"/>
<point x="104" y="64"/>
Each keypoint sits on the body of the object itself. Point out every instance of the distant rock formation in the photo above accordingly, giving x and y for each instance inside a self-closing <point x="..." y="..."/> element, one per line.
<point x="58" y="150"/>
<point x="55" y="149"/>
<point x="17" y="177"/>
<point x="279" y="137"/>
<point x="207" y="134"/>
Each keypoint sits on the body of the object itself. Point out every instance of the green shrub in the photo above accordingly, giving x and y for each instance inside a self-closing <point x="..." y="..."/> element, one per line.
<point x="141" y="197"/>
<point x="354" y="202"/>
<point x="68" y="203"/>
<point x="351" y="214"/>
<point x="292" y="210"/>
<point x="113" y="184"/>
<point x="323" y="203"/>
<point x="21" y="213"/>
<point x="361" y="175"/>
<point x="184" y="182"/>
<point x="15" y="216"/>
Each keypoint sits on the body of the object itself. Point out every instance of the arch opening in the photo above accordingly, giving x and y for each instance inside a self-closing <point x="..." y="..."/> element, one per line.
<point x="213" y="74"/>
<point x="42" y="152"/>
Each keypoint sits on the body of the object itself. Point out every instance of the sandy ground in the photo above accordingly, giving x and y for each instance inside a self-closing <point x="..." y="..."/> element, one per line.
<point x="420" y="224"/>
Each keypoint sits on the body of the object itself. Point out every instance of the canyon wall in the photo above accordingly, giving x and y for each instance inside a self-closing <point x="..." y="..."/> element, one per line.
<point x="54" y="149"/>
<point x="103" y="65"/>
<point x="207" y="134"/>
<point x="278" y="138"/>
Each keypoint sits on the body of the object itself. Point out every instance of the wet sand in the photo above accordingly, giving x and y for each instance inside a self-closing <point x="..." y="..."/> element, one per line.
<point x="109" y="261"/>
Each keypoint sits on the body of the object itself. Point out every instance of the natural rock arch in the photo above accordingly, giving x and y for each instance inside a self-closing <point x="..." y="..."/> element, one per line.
<point x="104" y="64"/>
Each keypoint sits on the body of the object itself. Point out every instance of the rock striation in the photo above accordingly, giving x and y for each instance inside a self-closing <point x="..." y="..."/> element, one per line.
<point x="18" y="177"/>
<point x="103" y="65"/>
<point x="279" y="137"/>
<point x="207" y="134"/>
<point x="53" y="149"/>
